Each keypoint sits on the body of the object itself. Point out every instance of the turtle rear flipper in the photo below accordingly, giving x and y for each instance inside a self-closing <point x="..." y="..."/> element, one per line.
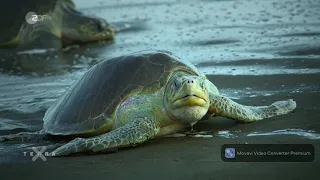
<point x="43" y="40"/>
<point x="136" y="131"/>
<point x="224" y="106"/>
<point x="25" y="137"/>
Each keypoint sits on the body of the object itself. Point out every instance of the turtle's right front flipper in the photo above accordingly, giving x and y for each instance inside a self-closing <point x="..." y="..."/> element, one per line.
<point x="226" y="107"/>
<point x="25" y="136"/>
<point x="136" y="131"/>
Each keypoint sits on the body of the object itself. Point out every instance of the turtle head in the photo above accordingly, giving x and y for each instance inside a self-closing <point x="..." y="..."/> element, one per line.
<point x="186" y="98"/>
<point x="84" y="29"/>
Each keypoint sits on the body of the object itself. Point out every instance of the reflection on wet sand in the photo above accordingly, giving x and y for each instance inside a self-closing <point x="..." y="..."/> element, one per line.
<point x="309" y="134"/>
<point x="299" y="132"/>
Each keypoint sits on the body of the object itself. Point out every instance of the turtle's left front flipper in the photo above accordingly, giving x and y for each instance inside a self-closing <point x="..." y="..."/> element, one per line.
<point x="136" y="131"/>
<point x="226" y="107"/>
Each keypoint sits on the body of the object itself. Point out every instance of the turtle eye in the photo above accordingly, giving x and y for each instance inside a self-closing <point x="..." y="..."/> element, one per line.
<point x="99" y="27"/>
<point x="175" y="85"/>
<point x="202" y="84"/>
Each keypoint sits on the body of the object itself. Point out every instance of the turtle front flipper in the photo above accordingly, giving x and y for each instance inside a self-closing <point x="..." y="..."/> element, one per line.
<point x="136" y="131"/>
<point x="25" y="137"/>
<point x="226" y="107"/>
<point x="43" y="34"/>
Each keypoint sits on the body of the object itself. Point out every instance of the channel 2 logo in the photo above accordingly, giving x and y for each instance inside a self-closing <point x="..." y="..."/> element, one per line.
<point x="32" y="17"/>
<point x="229" y="153"/>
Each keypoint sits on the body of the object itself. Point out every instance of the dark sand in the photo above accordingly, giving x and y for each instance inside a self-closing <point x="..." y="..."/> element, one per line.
<point x="187" y="157"/>
<point x="264" y="50"/>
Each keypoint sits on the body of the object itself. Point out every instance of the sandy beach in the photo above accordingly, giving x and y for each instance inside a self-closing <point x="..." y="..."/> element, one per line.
<point x="189" y="157"/>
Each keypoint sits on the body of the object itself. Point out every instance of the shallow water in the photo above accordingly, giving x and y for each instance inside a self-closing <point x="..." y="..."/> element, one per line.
<point x="227" y="38"/>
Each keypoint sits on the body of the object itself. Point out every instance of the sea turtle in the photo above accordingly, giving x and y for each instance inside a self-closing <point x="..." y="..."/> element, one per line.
<point x="129" y="99"/>
<point x="31" y="24"/>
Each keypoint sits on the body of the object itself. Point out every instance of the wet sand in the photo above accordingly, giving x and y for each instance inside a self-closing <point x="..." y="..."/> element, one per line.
<point x="268" y="54"/>
<point x="190" y="157"/>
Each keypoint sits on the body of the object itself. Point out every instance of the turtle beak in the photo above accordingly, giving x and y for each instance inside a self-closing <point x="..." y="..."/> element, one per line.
<point x="108" y="34"/>
<point x="191" y="94"/>
<point x="189" y="100"/>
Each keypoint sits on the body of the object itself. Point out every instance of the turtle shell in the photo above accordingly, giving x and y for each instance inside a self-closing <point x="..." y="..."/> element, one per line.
<point x="92" y="100"/>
